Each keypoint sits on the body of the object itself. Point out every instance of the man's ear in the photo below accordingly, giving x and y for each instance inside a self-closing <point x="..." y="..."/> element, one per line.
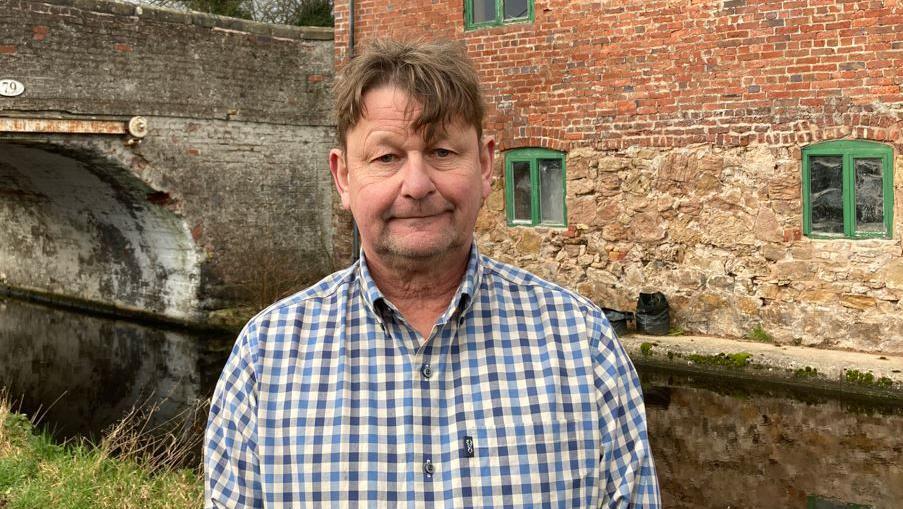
<point x="339" y="170"/>
<point x="487" y="161"/>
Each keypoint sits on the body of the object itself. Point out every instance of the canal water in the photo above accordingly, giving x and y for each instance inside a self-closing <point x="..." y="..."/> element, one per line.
<point x="718" y="443"/>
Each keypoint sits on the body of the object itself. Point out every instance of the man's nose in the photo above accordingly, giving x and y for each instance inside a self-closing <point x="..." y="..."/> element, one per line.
<point x="417" y="183"/>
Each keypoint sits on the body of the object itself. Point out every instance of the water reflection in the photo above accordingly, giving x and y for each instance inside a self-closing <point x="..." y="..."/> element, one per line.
<point x="84" y="373"/>
<point x="717" y="443"/>
<point x="730" y="444"/>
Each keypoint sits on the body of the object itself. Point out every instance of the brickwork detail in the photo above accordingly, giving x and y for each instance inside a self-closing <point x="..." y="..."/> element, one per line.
<point x="683" y="123"/>
<point x="239" y="129"/>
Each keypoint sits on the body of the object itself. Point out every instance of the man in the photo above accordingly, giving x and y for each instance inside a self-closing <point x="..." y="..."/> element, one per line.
<point x="425" y="374"/>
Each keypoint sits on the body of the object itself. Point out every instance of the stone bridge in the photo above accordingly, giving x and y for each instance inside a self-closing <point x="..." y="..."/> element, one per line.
<point x="161" y="162"/>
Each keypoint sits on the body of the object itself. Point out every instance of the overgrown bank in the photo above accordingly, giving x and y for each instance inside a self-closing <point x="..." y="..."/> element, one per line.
<point x="123" y="471"/>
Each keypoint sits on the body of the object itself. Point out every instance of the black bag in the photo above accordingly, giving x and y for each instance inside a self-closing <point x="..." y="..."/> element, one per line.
<point x="652" y="315"/>
<point x="618" y="320"/>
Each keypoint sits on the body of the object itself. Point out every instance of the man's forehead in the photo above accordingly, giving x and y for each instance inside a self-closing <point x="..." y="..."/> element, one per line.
<point x="391" y="105"/>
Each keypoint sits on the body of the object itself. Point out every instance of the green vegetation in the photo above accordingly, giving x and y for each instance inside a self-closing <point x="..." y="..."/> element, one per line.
<point x="231" y="8"/>
<point x="734" y="360"/>
<point x="807" y="372"/>
<point x="288" y="12"/>
<point x="759" y="334"/>
<point x="676" y="330"/>
<point x="855" y="376"/>
<point x="313" y="13"/>
<point x="646" y="348"/>
<point x="126" y="470"/>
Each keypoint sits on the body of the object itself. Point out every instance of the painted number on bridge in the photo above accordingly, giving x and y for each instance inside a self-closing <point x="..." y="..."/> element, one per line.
<point x="11" y="88"/>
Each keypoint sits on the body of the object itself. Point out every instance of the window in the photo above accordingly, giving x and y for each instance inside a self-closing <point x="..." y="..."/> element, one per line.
<point x="848" y="190"/>
<point x="479" y="13"/>
<point x="534" y="187"/>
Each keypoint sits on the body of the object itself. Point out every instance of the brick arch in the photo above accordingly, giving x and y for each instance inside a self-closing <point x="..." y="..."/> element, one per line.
<point x="841" y="122"/>
<point x="80" y="223"/>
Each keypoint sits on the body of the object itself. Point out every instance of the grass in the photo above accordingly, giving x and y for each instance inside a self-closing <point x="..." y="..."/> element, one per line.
<point x="676" y="330"/>
<point x="867" y="378"/>
<point x="646" y="348"/>
<point x="130" y="468"/>
<point x="734" y="360"/>
<point x="759" y="334"/>
<point x="807" y="372"/>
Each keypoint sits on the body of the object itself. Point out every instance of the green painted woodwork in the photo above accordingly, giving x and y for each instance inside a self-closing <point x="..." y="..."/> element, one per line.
<point x="532" y="156"/>
<point x="499" y="20"/>
<point x="850" y="151"/>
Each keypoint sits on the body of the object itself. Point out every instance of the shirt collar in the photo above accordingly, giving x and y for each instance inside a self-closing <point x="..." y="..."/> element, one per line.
<point x="470" y="283"/>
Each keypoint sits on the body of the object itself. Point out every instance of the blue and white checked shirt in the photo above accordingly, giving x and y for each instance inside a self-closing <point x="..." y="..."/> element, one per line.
<point x="521" y="397"/>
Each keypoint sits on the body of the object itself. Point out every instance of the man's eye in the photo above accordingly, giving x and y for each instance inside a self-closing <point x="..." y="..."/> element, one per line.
<point x="442" y="152"/>
<point x="386" y="158"/>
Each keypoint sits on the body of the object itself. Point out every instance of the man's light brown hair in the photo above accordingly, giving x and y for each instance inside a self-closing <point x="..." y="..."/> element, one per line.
<point x="437" y="75"/>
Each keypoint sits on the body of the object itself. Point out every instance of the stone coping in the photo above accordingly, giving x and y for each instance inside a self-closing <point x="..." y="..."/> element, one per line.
<point x="868" y="374"/>
<point x="200" y="19"/>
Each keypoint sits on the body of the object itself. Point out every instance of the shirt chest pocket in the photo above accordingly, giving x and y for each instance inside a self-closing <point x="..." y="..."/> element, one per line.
<point x="536" y="457"/>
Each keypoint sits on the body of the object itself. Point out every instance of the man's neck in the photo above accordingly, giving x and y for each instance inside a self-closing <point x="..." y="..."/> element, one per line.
<point x="420" y="291"/>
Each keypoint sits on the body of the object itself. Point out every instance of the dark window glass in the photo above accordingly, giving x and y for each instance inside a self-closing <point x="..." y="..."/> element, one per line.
<point x="515" y="9"/>
<point x="869" y="196"/>
<point x="826" y="191"/>
<point x="483" y="10"/>
<point x="522" y="188"/>
<point x="551" y="190"/>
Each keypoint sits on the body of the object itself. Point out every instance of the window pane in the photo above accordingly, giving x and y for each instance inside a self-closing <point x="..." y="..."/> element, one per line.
<point x="826" y="193"/>
<point x="869" y="196"/>
<point x="483" y="10"/>
<point x="551" y="199"/>
<point x="522" y="190"/>
<point x="515" y="9"/>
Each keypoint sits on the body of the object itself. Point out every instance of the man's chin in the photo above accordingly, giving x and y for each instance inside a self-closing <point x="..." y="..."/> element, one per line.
<point x="421" y="252"/>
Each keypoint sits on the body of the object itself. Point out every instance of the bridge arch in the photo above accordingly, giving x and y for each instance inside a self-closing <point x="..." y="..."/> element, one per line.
<point x="77" y="222"/>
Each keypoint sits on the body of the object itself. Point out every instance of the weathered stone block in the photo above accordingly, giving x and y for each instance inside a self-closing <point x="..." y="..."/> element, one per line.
<point x="580" y="168"/>
<point x="791" y="270"/>
<point x="893" y="274"/>
<point x="614" y="232"/>
<point x="612" y="164"/>
<point x="647" y="227"/>
<point x="582" y="210"/>
<point x="767" y="226"/>
<point x="527" y="242"/>
<point x="818" y="295"/>
<point x="581" y="186"/>
<point x="854" y="301"/>
<point x="773" y="252"/>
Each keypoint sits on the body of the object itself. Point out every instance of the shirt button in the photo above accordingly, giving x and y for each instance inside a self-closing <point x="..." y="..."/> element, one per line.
<point x="426" y="370"/>
<point x="428" y="467"/>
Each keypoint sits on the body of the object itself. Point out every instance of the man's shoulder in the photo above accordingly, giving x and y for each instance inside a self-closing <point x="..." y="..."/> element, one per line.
<point x="523" y="280"/>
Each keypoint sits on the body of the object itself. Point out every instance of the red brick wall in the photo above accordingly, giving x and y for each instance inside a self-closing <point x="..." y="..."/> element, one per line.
<point x="683" y="122"/>
<point x="613" y="74"/>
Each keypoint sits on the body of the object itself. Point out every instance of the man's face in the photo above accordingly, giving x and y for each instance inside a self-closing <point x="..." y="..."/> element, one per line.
<point x="412" y="200"/>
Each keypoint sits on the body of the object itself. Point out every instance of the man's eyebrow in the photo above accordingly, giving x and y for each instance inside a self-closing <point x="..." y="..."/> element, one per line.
<point x="381" y="138"/>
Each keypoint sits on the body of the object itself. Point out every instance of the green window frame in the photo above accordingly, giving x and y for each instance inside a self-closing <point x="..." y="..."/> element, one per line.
<point x="501" y="17"/>
<point x="534" y="188"/>
<point x="847" y="206"/>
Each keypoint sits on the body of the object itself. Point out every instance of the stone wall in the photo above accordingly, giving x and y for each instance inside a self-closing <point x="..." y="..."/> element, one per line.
<point x="235" y="157"/>
<point x="749" y="447"/>
<point x="718" y="231"/>
<point x="683" y="123"/>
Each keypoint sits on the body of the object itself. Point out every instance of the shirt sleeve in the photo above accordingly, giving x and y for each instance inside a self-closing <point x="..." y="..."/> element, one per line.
<point x="628" y="471"/>
<point x="231" y="467"/>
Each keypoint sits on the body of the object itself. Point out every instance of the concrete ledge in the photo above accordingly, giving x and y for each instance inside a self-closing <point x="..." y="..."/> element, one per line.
<point x="200" y="19"/>
<point x="867" y="374"/>
<point x="113" y="312"/>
